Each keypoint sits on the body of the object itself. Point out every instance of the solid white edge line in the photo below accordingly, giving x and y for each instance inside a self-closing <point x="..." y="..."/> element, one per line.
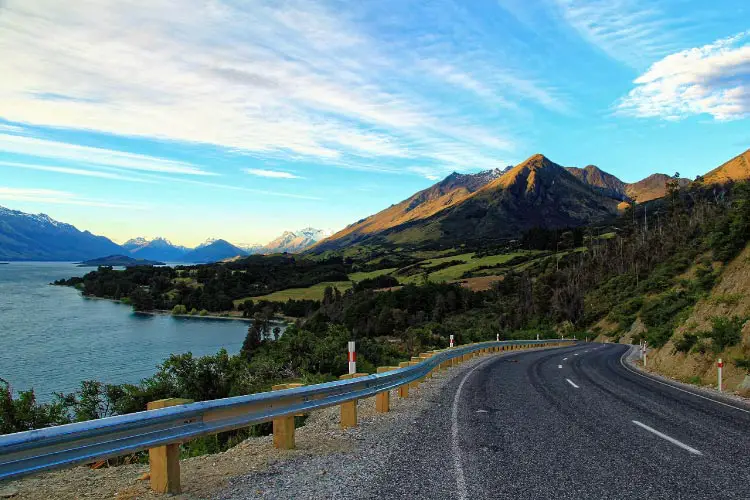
<point x="463" y="493"/>
<point x="624" y="365"/>
<point x="668" y="438"/>
<point x="572" y="383"/>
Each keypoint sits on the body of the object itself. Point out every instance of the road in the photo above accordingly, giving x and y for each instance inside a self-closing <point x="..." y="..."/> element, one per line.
<point x="569" y="423"/>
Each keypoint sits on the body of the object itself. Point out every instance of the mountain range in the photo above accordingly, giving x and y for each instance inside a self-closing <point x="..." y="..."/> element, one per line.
<point x="38" y="237"/>
<point x="501" y="204"/>
<point x="483" y="207"/>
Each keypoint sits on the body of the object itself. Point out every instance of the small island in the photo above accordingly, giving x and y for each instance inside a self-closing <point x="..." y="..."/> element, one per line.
<point x="119" y="261"/>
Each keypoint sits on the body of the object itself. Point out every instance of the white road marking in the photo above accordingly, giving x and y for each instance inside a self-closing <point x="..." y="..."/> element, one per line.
<point x="565" y="359"/>
<point x="559" y="366"/>
<point x="622" y="362"/>
<point x="463" y="493"/>
<point x="572" y="383"/>
<point x="668" y="438"/>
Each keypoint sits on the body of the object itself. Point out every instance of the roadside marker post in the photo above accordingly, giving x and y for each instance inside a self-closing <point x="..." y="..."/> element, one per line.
<point x="720" y="364"/>
<point x="645" y="351"/>
<point x="452" y="341"/>
<point x="352" y="358"/>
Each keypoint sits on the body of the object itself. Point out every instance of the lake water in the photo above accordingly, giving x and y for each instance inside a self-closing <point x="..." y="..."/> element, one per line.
<point x="51" y="337"/>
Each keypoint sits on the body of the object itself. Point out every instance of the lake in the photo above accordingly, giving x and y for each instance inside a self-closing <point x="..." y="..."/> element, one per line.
<point x="52" y="338"/>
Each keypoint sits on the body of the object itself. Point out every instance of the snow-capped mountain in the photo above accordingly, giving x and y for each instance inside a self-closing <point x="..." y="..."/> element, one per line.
<point x="157" y="248"/>
<point x="295" y="241"/>
<point x="39" y="237"/>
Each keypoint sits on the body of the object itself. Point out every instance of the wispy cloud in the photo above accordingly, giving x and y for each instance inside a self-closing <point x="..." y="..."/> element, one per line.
<point x="73" y="171"/>
<point x="44" y="148"/>
<point x="274" y="174"/>
<point x="306" y="82"/>
<point x="632" y="31"/>
<point x="53" y="196"/>
<point x="713" y="79"/>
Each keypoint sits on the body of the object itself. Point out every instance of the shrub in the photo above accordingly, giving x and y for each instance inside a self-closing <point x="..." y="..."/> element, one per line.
<point x="743" y="363"/>
<point x="193" y="311"/>
<point x="686" y="342"/>
<point x="725" y="332"/>
<point x="179" y="309"/>
<point x="204" y="312"/>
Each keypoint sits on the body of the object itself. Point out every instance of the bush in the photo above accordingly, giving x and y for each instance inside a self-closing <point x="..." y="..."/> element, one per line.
<point x="179" y="309"/>
<point x="685" y="343"/>
<point x="193" y="311"/>
<point x="725" y="332"/>
<point x="204" y="312"/>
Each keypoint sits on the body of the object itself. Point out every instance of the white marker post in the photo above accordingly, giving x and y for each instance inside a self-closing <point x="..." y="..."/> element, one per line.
<point x="451" y="341"/>
<point x="720" y="364"/>
<point x="352" y="358"/>
<point x="537" y="336"/>
<point x="498" y="337"/>
<point x="645" y="350"/>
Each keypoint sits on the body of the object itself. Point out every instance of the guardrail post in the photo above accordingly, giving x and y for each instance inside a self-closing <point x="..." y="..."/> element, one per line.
<point x="164" y="461"/>
<point x="349" y="408"/>
<point x="383" y="399"/>
<point x="283" y="427"/>
<point x="424" y="356"/>
<point x="415" y="360"/>
<point x="403" y="390"/>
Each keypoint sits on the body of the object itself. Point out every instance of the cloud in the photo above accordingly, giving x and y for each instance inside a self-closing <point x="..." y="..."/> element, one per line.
<point x="53" y="196"/>
<point x="308" y="81"/>
<point x="426" y="172"/>
<point x="32" y="146"/>
<point x="630" y="31"/>
<point x="72" y="171"/>
<point x="713" y="79"/>
<point x="275" y="174"/>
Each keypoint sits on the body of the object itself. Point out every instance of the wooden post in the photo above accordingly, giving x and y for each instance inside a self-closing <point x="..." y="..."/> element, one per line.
<point x="283" y="427"/>
<point x="349" y="408"/>
<point x="164" y="461"/>
<point x="383" y="399"/>
<point x="403" y="390"/>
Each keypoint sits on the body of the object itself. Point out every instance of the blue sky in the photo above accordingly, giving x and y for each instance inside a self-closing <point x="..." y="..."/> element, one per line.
<point x="241" y="119"/>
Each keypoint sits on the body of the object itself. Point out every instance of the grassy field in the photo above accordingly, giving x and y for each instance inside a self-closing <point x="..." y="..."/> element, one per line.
<point x="372" y="274"/>
<point x="314" y="292"/>
<point x="455" y="272"/>
<point x="464" y="257"/>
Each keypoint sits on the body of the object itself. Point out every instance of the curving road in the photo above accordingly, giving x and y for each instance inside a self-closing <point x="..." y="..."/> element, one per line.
<point x="569" y="423"/>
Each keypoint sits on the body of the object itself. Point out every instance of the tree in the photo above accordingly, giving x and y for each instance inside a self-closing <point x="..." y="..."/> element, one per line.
<point x="141" y="300"/>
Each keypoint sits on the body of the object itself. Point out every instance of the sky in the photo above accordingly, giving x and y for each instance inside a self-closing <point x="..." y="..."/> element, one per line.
<point x="242" y="119"/>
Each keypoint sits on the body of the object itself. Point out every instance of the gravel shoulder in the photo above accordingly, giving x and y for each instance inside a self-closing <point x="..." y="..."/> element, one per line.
<point x="328" y="462"/>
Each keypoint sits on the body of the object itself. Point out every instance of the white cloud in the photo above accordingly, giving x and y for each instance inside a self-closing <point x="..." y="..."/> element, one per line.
<point x="305" y="81"/>
<point x="72" y="171"/>
<point x="631" y="31"/>
<point x="53" y="196"/>
<point x="713" y="79"/>
<point x="430" y="173"/>
<point x="32" y="146"/>
<point x="275" y="174"/>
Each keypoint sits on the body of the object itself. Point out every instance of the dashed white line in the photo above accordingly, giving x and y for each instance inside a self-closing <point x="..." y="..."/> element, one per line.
<point x="559" y="366"/>
<point x="572" y="383"/>
<point x="565" y="359"/>
<point x="576" y="354"/>
<point x="668" y="438"/>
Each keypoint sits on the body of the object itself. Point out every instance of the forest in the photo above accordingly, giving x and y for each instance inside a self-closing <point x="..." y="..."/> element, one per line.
<point x="638" y="269"/>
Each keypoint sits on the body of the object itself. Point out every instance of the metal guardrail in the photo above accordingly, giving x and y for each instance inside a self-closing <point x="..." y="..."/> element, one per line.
<point x="29" y="452"/>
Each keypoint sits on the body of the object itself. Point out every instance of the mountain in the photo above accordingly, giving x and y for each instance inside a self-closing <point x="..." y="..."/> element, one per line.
<point x="652" y="187"/>
<point x="39" y="237"/>
<point x="213" y="251"/>
<point x="736" y="169"/>
<point x="606" y="183"/>
<point x="155" y="249"/>
<point x="294" y="241"/>
<point x="489" y="206"/>
<point x="450" y="191"/>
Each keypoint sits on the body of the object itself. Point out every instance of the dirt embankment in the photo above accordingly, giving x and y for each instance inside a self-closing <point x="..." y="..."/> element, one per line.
<point x="730" y="297"/>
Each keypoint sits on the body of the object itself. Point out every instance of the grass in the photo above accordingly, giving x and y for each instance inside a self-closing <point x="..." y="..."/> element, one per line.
<point x="464" y="257"/>
<point x="368" y="275"/>
<point x="314" y="292"/>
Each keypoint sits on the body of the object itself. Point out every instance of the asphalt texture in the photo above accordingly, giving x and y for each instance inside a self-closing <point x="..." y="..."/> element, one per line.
<point x="561" y="424"/>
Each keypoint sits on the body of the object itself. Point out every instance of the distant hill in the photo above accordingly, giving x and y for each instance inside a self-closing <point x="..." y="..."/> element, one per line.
<point x="487" y="206"/>
<point x="39" y="237"/>
<point x="157" y="248"/>
<point x="736" y="169"/>
<point x="652" y="187"/>
<point x="119" y="261"/>
<point x="213" y="251"/>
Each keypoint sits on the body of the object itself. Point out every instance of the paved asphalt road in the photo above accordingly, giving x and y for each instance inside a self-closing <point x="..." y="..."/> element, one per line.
<point x="569" y="423"/>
